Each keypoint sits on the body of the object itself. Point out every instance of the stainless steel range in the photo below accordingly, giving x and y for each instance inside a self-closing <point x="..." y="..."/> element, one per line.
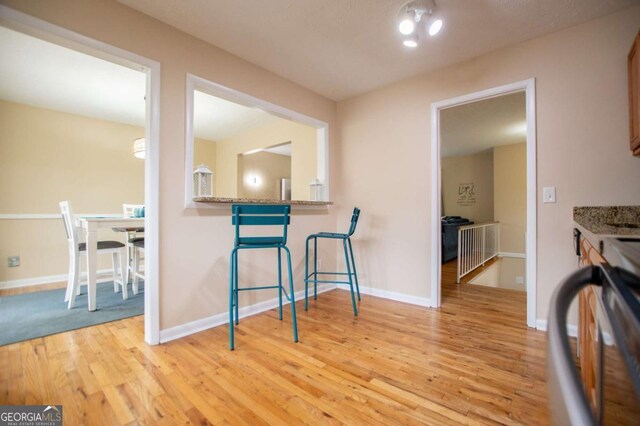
<point x="618" y="342"/>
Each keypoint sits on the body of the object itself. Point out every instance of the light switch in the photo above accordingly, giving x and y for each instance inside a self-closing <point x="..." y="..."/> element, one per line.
<point x="549" y="194"/>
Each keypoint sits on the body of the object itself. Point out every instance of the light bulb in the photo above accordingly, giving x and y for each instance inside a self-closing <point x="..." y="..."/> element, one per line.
<point x="435" y="27"/>
<point x="411" y="41"/>
<point x="407" y="26"/>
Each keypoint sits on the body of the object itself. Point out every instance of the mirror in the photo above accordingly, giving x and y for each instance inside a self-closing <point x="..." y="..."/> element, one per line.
<point x="255" y="153"/>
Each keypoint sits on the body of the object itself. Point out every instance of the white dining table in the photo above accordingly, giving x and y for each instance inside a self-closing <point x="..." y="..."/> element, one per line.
<point x="90" y="225"/>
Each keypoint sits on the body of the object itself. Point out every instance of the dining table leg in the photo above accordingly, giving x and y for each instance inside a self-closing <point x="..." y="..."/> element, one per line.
<point x="124" y="276"/>
<point x="92" y="255"/>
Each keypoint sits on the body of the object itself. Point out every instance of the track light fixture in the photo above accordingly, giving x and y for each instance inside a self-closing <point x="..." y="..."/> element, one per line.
<point x="412" y="14"/>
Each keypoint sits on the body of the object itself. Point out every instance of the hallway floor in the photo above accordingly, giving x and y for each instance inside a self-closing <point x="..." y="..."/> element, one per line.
<point x="505" y="272"/>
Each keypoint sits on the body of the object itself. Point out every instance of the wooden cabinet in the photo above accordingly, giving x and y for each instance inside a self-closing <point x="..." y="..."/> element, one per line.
<point x="633" y="61"/>
<point x="587" y="325"/>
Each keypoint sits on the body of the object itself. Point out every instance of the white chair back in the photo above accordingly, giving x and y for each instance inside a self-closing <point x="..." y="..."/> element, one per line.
<point x="128" y="209"/>
<point x="69" y="224"/>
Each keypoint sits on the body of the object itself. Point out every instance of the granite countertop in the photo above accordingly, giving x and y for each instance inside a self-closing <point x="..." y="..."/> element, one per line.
<point x="608" y="221"/>
<point x="223" y="200"/>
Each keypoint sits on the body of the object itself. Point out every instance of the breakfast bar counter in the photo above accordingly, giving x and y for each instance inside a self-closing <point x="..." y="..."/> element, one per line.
<point x="224" y="200"/>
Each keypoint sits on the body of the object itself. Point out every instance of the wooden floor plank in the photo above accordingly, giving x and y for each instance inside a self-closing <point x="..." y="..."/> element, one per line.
<point x="473" y="361"/>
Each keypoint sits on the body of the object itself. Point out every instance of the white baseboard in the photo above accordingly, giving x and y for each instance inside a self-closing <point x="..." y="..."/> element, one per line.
<point x="101" y="276"/>
<point x="196" y="326"/>
<point x="510" y="254"/>
<point x="392" y="295"/>
<point x="572" y="329"/>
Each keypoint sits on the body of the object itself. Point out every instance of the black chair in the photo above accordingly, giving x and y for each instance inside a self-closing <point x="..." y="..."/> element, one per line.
<point x="450" y="225"/>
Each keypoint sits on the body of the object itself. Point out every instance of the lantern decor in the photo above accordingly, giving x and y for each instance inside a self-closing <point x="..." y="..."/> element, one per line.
<point x="315" y="188"/>
<point x="203" y="181"/>
<point x="138" y="148"/>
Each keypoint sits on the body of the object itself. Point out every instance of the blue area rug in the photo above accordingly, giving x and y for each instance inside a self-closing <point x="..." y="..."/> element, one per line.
<point x="31" y="315"/>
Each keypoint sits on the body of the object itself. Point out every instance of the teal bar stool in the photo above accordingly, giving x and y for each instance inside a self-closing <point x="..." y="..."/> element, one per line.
<point x="351" y="274"/>
<point x="260" y="215"/>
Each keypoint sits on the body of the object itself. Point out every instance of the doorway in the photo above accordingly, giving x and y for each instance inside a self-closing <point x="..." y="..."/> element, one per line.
<point x="526" y="87"/>
<point x="39" y="29"/>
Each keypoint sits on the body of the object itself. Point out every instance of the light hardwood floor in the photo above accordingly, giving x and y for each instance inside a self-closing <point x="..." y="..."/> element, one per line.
<point x="471" y="362"/>
<point x="31" y="289"/>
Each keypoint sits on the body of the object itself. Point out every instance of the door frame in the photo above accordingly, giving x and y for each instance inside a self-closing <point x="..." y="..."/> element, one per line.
<point x="527" y="86"/>
<point x="44" y="30"/>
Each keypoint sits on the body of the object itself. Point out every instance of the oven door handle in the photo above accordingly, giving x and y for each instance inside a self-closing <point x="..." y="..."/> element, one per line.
<point x="576" y="241"/>
<point x="567" y="400"/>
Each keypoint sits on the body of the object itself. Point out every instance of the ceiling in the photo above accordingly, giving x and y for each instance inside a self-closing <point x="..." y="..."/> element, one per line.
<point x="284" y="149"/>
<point x="343" y="48"/>
<point x="217" y="119"/>
<point x="479" y="126"/>
<point x="42" y="74"/>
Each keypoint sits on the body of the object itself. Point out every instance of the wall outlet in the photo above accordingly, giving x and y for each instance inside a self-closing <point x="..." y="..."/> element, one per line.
<point x="13" y="261"/>
<point x="519" y="280"/>
<point x="320" y="264"/>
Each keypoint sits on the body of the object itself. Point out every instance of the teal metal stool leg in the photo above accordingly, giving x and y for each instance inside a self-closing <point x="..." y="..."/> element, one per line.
<point x="306" y="275"/>
<point x="231" y="298"/>
<point x="346" y="258"/>
<point x="235" y="266"/>
<point x="280" y="283"/>
<point x="353" y="263"/>
<point x="315" y="269"/>
<point x="293" y="297"/>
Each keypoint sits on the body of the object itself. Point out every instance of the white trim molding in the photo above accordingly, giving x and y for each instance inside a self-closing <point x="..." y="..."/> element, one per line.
<point x="102" y="275"/>
<point x="48" y="216"/>
<point x="572" y="329"/>
<point x="512" y="254"/>
<point x="527" y="86"/>
<point x="38" y="28"/>
<point x="222" y="318"/>
<point x="392" y="295"/>
<point x="214" y="89"/>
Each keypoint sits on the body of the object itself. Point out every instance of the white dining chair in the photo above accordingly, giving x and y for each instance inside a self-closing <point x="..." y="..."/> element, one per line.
<point x="132" y="235"/>
<point x="138" y="250"/>
<point x="78" y="249"/>
<point x="128" y="210"/>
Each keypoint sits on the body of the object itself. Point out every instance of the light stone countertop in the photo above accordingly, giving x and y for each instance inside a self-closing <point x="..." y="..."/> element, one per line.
<point x="223" y="200"/>
<point x="598" y="223"/>
<point x="609" y="221"/>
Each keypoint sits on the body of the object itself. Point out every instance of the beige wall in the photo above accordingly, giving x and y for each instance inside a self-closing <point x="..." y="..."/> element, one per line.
<point x="582" y="149"/>
<point x="474" y="169"/>
<point x="269" y="168"/>
<point x="510" y="195"/>
<point x="48" y="156"/>
<point x="204" y="152"/>
<point x="303" y="155"/>
<point x="195" y="244"/>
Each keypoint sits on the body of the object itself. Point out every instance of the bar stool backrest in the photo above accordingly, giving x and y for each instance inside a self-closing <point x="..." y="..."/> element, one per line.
<point x="354" y="220"/>
<point x="260" y="215"/>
